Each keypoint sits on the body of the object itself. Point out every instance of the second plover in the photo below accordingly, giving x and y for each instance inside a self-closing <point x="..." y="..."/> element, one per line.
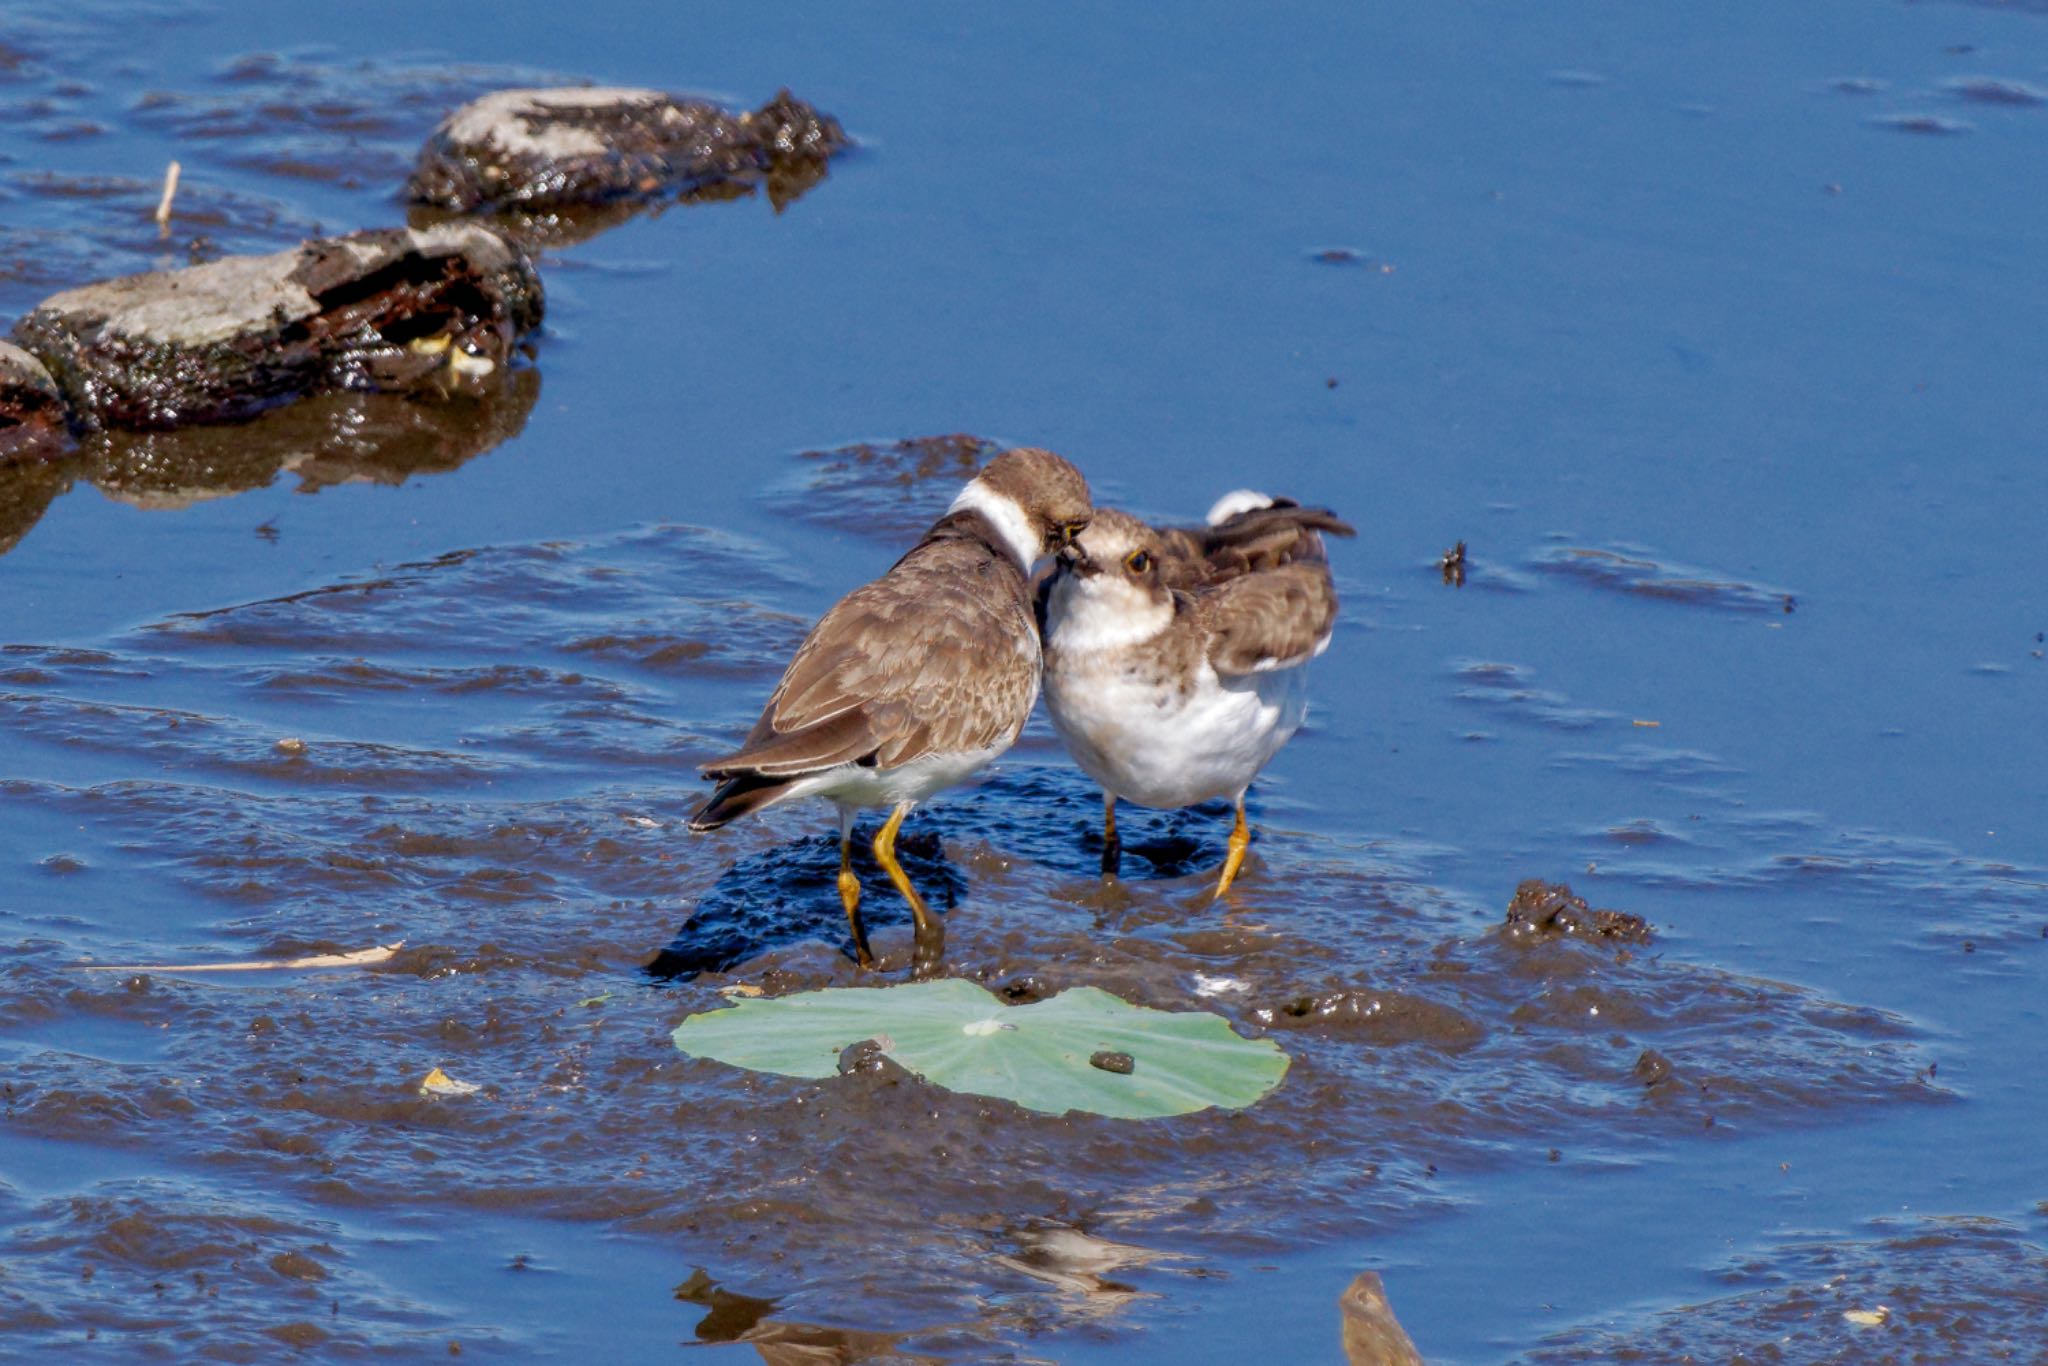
<point x="1174" y="658"/>
<point x="914" y="681"/>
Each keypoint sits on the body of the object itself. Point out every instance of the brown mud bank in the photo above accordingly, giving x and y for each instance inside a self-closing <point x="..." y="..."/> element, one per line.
<point x="1931" y="1289"/>
<point x="1429" y="1042"/>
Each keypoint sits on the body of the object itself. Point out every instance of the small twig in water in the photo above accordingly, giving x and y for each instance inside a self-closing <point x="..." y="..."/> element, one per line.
<point x="358" y="959"/>
<point x="163" y="206"/>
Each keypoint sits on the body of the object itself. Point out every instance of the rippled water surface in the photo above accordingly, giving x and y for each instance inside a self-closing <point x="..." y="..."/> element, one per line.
<point x="1714" y="336"/>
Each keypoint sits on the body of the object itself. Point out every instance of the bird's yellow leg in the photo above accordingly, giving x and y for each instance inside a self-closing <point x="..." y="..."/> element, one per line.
<point x="930" y="940"/>
<point x="1240" y="839"/>
<point x="1112" y="847"/>
<point x="849" y="897"/>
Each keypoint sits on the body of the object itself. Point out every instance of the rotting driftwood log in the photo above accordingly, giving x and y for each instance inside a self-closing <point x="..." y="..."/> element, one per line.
<point x="394" y="309"/>
<point x="539" y="149"/>
<point x="32" y="418"/>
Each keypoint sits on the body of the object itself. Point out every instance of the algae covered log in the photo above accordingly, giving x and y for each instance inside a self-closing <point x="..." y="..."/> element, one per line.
<point x="547" y="148"/>
<point x="394" y="309"/>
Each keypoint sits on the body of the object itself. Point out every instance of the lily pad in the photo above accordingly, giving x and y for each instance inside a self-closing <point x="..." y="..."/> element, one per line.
<point x="958" y="1035"/>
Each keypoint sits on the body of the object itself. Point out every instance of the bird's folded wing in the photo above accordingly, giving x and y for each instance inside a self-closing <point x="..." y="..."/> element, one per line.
<point x="1268" y="620"/>
<point x="901" y="667"/>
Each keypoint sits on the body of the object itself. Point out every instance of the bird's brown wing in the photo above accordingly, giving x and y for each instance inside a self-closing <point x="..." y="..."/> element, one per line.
<point x="1257" y="540"/>
<point x="1267" y="620"/>
<point x="938" y="655"/>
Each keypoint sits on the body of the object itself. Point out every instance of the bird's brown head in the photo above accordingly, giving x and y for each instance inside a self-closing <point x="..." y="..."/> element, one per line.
<point x="1110" y="589"/>
<point x="1037" y="501"/>
<point x="1117" y="544"/>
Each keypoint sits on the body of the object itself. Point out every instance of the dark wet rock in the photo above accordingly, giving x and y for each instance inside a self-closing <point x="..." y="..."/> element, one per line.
<point x="391" y="309"/>
<point x="1120" y="1063"/>
<point x="27" y="488"/>
<point x="1372" y="1336"/>
<point x="1944" y="1289"/>
<point x="539" y="148"/>
<point x="33" y="418"/>
<point x="888" y="490"/>
<point x="1638" y="574"/>
<point x="1541" y="910"/>
<point x="325" y="440"/>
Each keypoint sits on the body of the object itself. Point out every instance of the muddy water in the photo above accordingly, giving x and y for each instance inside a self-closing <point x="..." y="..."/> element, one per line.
<point x="1716" y="340"/>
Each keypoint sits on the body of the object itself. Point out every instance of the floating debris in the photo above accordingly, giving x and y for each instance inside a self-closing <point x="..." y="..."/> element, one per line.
<point x="542" y="148"/>
<point x="229" y="338"/>
<point x="439" y="1083"/>
<point x="1452" y="563"/>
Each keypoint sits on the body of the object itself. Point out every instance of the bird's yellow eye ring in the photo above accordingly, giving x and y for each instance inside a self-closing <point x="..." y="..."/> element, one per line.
<point x="1067" y="531"/>
<point x="1138" y="561"/>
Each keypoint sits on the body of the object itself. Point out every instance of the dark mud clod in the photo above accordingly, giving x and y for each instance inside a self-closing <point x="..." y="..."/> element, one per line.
<point x="392" y="309"/>
<point x="1119" y="1063"/>
<point x="1542" y="909"/>
<point x="538" y="149"/>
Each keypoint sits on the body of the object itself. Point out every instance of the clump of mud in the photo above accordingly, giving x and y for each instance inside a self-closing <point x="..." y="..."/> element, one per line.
<point x="1920" y="1290"/>
<point x="536" y="149"/>
<point x="391" y="309"/>
<point x="1540" y="909"/>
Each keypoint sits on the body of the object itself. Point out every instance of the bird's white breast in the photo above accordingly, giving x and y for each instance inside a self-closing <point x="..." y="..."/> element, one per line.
<point x="1158" y="743"/>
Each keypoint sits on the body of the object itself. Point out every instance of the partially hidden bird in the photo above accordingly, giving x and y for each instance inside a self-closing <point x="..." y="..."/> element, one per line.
<point x="1175" y="657"/>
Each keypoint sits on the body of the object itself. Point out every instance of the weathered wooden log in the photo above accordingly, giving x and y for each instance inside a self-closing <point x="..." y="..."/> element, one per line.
<point x="32" y="412"/>
<point x="395" y="309"/>
<point x="540" y="149"/>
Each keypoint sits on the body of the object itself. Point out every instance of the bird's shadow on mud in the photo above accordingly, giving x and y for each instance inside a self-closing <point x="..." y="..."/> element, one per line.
<point x="789" y="894"/>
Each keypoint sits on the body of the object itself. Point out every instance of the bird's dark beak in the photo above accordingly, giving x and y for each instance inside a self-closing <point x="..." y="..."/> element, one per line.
<point x="1074" y="560"/>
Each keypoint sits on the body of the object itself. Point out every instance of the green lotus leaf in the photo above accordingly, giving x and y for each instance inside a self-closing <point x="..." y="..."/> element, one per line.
<point x="958" y="1035"/>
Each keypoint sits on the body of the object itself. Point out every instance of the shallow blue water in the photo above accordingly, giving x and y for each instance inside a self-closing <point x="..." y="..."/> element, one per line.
<point x="1628" y="279"/>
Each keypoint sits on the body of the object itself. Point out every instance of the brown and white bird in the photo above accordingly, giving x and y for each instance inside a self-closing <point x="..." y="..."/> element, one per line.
<point x="914" y="681"/>
<point x="1174" y="658"/>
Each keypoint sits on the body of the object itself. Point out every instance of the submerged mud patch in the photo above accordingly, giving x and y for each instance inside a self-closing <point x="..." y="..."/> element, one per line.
<point x="154" y="1265"/>
<point x="889" y="490"/>
<point x="1636" y="573"/>
<point x="636" y="598"/>
<point x="1916" y="1290"/>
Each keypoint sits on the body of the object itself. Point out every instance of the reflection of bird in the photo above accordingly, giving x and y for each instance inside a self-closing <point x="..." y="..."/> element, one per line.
<point x="1173" y="658"/>
<point x="911" y="683"/>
